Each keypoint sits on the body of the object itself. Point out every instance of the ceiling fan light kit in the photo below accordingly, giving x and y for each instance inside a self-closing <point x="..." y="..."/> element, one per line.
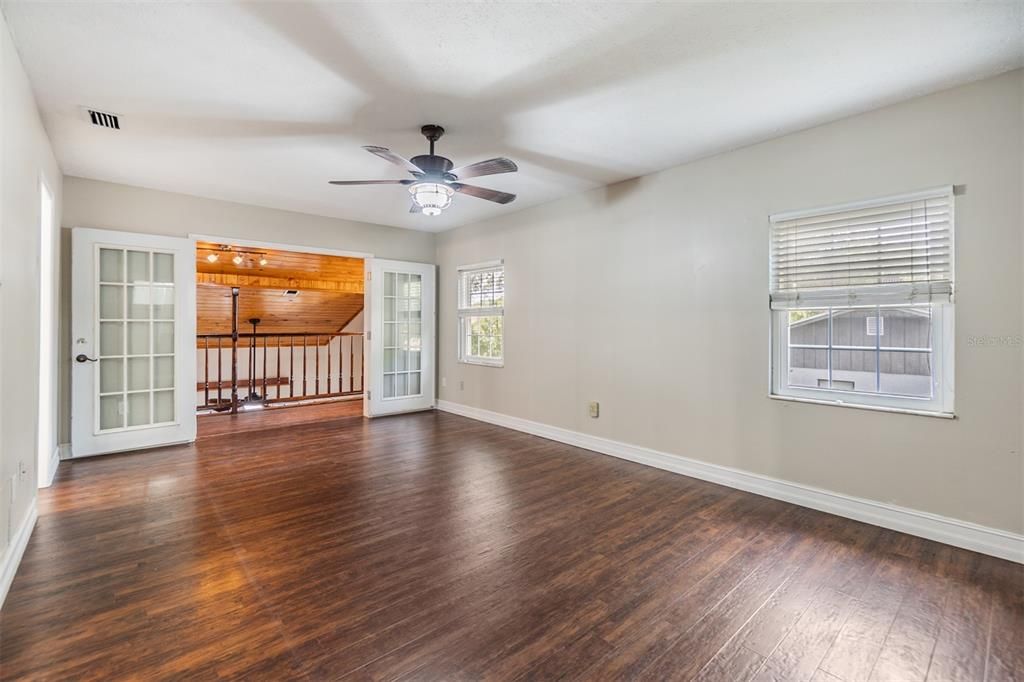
<point x="436" y="180"/>
<point x="431" y="197"/>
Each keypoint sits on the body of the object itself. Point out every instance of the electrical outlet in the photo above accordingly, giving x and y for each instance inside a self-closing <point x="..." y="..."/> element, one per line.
<point x="595" y="409"/>
<point x="22" y="470"/>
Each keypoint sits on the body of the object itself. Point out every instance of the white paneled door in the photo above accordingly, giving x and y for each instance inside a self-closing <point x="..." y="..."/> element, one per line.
<point x="402" y="332"/>
<point x="132" y="341"/>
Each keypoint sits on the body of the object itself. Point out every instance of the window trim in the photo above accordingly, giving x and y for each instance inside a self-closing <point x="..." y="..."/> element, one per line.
<point x="462" y="354"/>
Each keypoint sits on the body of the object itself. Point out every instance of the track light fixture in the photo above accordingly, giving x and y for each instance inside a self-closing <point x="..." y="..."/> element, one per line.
<point x="238" y="256"/>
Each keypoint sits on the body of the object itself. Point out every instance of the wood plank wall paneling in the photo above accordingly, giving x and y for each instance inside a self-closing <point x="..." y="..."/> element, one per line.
<point x="330" y="290"/>
<point x="310" y="311"/>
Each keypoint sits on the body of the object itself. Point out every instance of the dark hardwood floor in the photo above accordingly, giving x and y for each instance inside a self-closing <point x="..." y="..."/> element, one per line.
<point x="218" y="424"/>
<point x="434" y="547"/>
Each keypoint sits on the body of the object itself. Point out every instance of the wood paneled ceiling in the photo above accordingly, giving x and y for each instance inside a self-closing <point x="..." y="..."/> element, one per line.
<point x="330" y="290"/>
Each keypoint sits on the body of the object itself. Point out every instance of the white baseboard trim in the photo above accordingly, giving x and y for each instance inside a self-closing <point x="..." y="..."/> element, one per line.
<point x="15" y="550"/>
<point x="992" y="541"/>
<point x="51" y="468"/>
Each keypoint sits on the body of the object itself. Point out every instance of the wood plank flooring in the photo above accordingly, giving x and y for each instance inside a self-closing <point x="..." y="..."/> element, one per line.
<point x="218" y="424"/>
<point x="433" y="547"/>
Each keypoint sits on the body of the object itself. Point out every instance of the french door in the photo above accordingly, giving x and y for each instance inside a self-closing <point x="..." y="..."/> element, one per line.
<point x="402" y="333"/>
<point x="132" y="341"/>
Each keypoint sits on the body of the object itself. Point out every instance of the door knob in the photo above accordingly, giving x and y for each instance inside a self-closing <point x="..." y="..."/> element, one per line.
<point x="82" y="357"/>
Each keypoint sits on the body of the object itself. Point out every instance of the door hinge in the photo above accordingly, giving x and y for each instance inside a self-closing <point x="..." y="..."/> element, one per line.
<point x="369" y="275"/>
<point x="369" y="334"/>
<point x="369" y="394"/>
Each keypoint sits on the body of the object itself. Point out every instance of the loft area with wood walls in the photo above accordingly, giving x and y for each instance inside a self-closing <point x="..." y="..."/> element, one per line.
<point x="330" y="289"/>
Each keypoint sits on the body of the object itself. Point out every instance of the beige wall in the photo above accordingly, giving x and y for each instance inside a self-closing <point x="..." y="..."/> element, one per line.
<point x="91" y="203"/>
<point x="27" y="157"/>
<point x="110" y="206"/>
<point x="650" y="296"/>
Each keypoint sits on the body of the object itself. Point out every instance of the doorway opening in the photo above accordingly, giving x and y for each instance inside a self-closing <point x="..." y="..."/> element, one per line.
<point x="46" y="438"/>
<point x="279" y="337"/>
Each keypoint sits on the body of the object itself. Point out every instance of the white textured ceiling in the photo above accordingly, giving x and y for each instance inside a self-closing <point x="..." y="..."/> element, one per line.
<point x="262" y="103"/>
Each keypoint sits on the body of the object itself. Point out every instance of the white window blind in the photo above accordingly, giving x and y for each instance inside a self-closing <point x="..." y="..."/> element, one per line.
<point x="482" y="288"/>
<point x="896" y="249"/>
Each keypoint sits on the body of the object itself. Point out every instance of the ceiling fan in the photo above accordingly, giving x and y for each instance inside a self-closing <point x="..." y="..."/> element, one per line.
<point x="435" y="180"/>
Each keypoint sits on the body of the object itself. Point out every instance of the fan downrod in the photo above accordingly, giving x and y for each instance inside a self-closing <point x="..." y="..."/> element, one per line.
<point x="432" y="132"/>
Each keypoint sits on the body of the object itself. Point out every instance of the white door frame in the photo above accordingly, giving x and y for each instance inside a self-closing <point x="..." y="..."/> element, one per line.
<point x="47" y="445"/>
<point x="299" y="248"/>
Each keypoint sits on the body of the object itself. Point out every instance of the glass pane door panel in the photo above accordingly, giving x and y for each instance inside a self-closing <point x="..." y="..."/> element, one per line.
<point x="138" y="266"/>
<point x="111" y="375"/>
<point x="111" y="339"/>
<point x="163" y="268"/>
<point x="163" y="338"/>
<point x="136" y="329"/>
<point x="138" y="338"/>
<point x="163" y="407"/>
<point x="138" y="409"/>
<point x="111" y="265"/>
<point x="111" y="302"/>
<point x="138" y="374"/>
<point x="111" y="412"/>
<point x="163" y="372"/>
<point x="402" y="340"/>
<point x="138" y="303"/>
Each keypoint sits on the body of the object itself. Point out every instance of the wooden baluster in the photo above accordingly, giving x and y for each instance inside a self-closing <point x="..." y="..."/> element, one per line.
<point x="234" y="350"/>
<point x="220" y="380"/>
<point x="277" y="381"/>
<point x="316" y="381"/>
<point x="305" y="354"/>
<point x="291" y="366"/>
<point x="352" y="365"/>
<point x="329" y="339"/>
<point x="264" y="367"/>
<point x="206" y="372"/>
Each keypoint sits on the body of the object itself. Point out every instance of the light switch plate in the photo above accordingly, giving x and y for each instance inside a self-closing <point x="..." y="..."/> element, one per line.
<point x="595" y="409"/>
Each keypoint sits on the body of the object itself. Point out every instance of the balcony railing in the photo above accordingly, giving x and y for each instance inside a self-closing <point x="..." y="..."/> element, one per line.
<point x="272" y="368"/>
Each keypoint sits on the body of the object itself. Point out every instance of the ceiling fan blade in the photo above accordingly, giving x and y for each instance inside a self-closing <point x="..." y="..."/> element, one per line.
<point x="488" y="167"/>
<point x="483" y="193"/>
<point x="371" y="182"/>
<point x="415" y="208"/>
<point x="387" y="154"/>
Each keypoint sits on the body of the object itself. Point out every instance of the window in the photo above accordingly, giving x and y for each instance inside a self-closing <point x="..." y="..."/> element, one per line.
<point x="861" y="298"/>
<point x="482" y="314"/>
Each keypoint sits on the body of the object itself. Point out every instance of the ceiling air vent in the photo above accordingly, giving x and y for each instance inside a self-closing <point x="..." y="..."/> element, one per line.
<point x="290" y="293"/>
<point x="103" y="119"/>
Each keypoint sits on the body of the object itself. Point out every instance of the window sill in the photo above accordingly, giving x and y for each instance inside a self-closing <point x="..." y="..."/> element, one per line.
<point x="862" y="406"/>
<point x="482" y="363"/>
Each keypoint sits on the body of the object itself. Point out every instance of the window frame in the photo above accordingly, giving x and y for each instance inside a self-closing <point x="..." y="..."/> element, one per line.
<point x="463" y="313"/>
<point x="941" y="403"/>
